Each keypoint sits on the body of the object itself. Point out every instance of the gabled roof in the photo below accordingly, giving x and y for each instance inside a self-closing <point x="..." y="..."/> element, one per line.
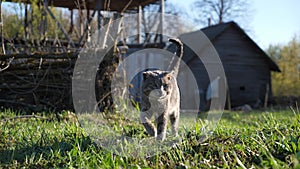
<point x="213" y="32"/>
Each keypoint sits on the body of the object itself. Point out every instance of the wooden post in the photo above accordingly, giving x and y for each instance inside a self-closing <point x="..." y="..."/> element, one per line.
<point x="162" y="11"/>
<point x="146" y="29"/>
<point x="228" y="99"/>
<point x="81" y="28"/>
<point x="98" y="7"/>
<point x="89" y="20"/>
<point x="1" y="29"/>
<point x="26" y="22"/>
<point x="88" y="26"/>
<point x="209" y="21"/>
<point x="30" y="23"/>
<point x="267" y="95"/>
<point x="40" y="22"/>
<point x="71" y="22"/>
<point x="58" y="24"/>
<point x="45" y="24"/>
<point x="139" y="25"/>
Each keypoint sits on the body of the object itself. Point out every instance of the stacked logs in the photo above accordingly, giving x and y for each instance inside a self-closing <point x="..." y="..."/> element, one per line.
<point x="43" y="82"/>
<point x="36" y="82"/>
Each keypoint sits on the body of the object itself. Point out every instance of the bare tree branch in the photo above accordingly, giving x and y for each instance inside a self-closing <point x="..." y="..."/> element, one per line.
<point x="219" y="11"/>
<point x="7" y="65"/>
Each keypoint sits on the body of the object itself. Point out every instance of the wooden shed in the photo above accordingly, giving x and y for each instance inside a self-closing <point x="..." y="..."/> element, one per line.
<point x="247" y="67"/>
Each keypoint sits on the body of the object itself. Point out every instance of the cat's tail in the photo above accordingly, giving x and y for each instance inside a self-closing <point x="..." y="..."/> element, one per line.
<point x="179" y="52"/>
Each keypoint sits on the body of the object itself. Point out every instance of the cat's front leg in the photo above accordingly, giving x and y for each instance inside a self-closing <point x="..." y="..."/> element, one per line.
<point x="162" y="122"/>
<point x="145" y="118"/>
<point x="174" y="119"/>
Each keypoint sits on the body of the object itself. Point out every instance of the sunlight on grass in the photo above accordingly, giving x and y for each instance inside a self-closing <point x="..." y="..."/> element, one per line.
<point x="259" y="139"/>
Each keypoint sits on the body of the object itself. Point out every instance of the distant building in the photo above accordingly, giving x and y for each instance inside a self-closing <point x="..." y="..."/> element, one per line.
<point x="247" y="67"/>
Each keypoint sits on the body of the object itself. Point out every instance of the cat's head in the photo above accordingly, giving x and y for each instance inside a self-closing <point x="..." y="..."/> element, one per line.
<point x="157" y="84"/>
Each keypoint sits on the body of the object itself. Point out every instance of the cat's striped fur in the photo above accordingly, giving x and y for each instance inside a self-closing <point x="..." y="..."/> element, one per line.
<point x="161" y="98"/>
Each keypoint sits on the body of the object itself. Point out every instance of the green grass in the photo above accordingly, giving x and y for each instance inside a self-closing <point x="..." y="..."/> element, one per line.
<point x="260" y="139"/>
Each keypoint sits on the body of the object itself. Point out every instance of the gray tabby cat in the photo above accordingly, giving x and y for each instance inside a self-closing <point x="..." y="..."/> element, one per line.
<point x="161" y="98"/>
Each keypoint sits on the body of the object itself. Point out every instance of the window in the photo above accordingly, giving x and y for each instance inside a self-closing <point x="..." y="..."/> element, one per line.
<point x="242" y="88"/>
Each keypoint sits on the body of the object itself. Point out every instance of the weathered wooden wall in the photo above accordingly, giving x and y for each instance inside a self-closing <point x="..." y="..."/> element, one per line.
<point x="247" y="72"/>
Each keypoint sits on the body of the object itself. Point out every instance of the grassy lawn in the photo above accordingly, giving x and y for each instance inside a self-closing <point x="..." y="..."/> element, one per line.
<point x="261" y="139"/>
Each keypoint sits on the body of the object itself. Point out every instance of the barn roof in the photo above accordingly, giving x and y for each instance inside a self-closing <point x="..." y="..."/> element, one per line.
<point x="114" y="5"/>
<point x="213" y="32"/>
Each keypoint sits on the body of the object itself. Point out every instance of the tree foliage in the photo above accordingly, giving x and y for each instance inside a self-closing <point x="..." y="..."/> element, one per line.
<point x="40" y="25"/>
<point x="286" y="83"/>
<point x="11" y="26"/>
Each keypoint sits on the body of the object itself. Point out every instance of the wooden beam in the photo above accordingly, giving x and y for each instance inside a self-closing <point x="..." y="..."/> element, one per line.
<point x="58" y="23"/>
<point x="86" y="27"/>
<point x="45" y="24"/>
<point x="139" y="25"/>
<point x="162" y="19"/>
<point x="26" y="22"/>
<point x="115" y="5"/>
<point x="81" y="26"/>
<point x="71" y="55"/>
<point x="267" y="95"/>
<point x="71" y="22"/>
<point x="1" y="28"/>
<point x="98" y="8"/>
<point x="228" y="95"/>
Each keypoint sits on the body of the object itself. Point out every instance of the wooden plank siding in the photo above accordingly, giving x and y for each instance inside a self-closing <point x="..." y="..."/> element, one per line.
<point x="246" y="66"/>
<point x="246" y="70"/>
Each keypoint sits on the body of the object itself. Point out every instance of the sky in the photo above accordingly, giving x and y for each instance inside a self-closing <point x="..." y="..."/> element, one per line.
<point x="272" y="22"/>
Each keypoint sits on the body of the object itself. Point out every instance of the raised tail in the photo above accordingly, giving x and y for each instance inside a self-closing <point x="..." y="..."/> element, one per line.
<point x="179" y="52"/>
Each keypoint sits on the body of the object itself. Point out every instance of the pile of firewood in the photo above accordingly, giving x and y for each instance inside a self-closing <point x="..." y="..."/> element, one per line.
<point x="36" y="82"/>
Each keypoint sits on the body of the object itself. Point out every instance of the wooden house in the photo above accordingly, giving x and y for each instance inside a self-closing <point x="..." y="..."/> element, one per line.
<point x="247" y="67"/>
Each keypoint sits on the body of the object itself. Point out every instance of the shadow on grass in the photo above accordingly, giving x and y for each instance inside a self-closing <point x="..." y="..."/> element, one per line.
<point x="235" y="116"/>
<point x="62" y="147"/>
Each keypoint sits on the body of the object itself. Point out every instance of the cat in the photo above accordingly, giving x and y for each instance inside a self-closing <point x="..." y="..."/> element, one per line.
<point x="161" y="98"/>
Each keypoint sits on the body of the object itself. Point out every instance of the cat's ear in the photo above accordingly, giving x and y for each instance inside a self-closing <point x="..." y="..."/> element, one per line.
<point x="168" y="75"/>
<point x="147" y="74"/>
